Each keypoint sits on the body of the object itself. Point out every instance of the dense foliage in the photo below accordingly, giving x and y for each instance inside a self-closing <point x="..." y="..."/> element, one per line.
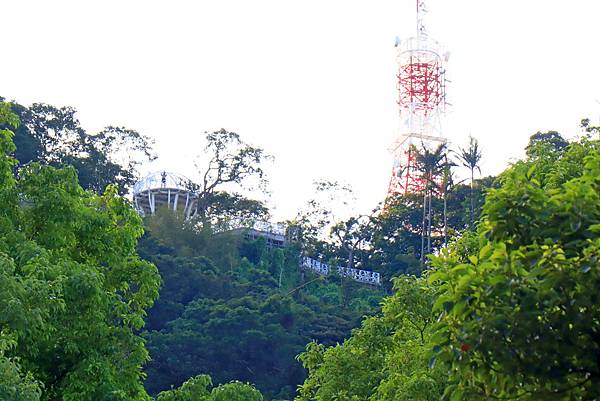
<point x="73" y="291"/>
<point x="391" y="241"/>
<point x="236" y="309"/>
<point x="54" y="136"/>
<point x="507" y="312"/>
<point x="197" y="389"/>
<point x="507" y="308"/>
<point x="519" y="304"/>
<point x="385" y="359"/>
<point x="397" y="233"/>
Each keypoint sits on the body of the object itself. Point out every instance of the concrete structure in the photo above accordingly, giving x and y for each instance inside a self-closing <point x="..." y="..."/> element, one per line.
<point x="164" y="189"/>
<point x="273" y="239"/>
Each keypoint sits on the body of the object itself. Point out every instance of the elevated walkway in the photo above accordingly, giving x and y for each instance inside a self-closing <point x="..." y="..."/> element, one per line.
<point x="362" y="276"/>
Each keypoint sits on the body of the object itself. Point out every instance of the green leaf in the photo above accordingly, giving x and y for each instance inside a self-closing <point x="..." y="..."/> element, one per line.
<point x="448" y="391"/>
<point x="438" y="275"/>
<point x="439" y="339"/>
<point x="460" y="268"/>
<point x="594" y="228"/>
<point x="457" y="395"/>
<point x="459" y="307"/>
<point x="485" y="251"/>
<point x="530" y="171"/>
<point x="464" y="280"/>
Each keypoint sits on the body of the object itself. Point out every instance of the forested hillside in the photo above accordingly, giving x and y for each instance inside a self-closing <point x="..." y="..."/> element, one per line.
<point x="222" y="310"/>
<point x="508" y="311"/>
<point x="488" y="291"/>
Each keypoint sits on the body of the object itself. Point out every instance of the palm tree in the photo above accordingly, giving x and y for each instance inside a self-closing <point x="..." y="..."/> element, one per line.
<point x="430" y="165"/>
<point x="470" y="158"/>
<point x="446" y="186"/>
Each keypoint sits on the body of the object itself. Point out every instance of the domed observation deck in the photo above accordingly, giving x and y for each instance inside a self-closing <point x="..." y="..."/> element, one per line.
<point x="164" y="189"/>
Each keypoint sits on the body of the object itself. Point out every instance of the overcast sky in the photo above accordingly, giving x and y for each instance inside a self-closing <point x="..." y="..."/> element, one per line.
<point x="312" y="82"/>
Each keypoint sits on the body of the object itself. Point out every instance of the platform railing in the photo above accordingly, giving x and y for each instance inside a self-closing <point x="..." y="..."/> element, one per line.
<point x="324" y="269"/>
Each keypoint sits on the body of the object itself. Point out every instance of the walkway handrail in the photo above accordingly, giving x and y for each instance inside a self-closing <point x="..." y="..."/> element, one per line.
<point x="362" y="276"/>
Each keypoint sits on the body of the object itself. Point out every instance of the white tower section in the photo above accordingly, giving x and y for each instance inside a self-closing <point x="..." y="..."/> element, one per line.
<point x="164" y="189"/>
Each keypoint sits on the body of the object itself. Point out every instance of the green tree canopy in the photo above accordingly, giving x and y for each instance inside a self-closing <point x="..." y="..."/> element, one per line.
<point x="541" y="142"/>
<point x="238" y="309"/>
<point x="385" y="359"/>
<point x="54" y="136"/>
<point x="73" y="291"/>
<point x="231" y="162"/>
<point x="519" y="303"/>
<point x="197" y="389"/>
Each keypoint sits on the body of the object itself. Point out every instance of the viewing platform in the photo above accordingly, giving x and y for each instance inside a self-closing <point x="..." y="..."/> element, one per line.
<point x="164" y="189"/>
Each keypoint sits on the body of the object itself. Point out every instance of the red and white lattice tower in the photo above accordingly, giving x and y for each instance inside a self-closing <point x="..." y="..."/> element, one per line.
<point x="422" y="102"/>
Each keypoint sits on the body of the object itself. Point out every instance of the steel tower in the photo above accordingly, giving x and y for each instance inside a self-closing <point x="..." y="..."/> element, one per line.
<point x="422" y="102"/>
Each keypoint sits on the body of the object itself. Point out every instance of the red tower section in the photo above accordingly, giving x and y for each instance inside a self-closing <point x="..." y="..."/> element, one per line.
<point x="422" y="100"/>
<point x="420" y="84"/>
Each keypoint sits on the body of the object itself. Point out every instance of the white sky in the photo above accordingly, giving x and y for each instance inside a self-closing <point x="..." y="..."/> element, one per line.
<point x="312" y="82"/>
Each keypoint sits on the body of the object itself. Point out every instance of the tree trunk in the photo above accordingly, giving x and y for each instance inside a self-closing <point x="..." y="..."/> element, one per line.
<point x="445" y="218"/>
<point x="471" y="219"/>
<point x="429" y="222"/>
<point x="351" y="257"/>
<point x="423" y="226"/>
<point x="280" y="275"/>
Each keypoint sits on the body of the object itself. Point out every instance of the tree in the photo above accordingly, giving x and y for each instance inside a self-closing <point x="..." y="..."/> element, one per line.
<point x="328" y="226"/>
<point x="54" y="136"/>
<point x="331" y="203"/>
<point x="231" y="161"/>
<point x="225" y="299"/>
<point x="398" y="230"/>
<point x="230" y="210"/>
<point x="384" y="359"/>
<point x="196" y="389"/>
<point x="470" y="158"/>
<point x="431" y="165"/>
<point x="73" y="292"/>
<point x="519" y="314"/>
<point x="111" y="156"/>
<point x="14" y="382"/>
<point x="350" y="234"/>
<point x="396" y="233"/>
<point x="14" y="385"/>
<point x="235" y="391"/>
<point x="589" y="128"/>
<point x="541" y="142"/>
<point x="447" y="184"/>
<point x="331" y="230"/>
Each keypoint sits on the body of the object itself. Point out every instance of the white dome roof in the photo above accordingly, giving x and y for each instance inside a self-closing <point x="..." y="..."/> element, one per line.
<point x="164" y="179"/>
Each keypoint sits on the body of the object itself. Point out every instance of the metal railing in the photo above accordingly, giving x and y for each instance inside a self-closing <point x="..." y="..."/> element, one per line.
<point x="362" y="276"/>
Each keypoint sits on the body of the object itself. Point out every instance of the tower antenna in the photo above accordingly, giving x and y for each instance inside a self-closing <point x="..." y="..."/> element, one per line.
<point x="421" y="11"/>
<point x="421" y="86"/>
